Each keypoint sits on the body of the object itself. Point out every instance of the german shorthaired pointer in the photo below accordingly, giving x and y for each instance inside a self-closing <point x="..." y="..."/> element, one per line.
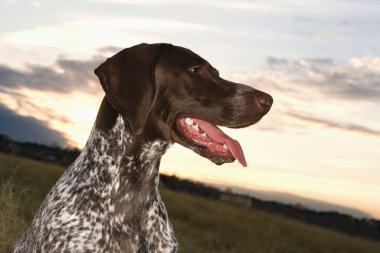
<point x="157" y="94"/>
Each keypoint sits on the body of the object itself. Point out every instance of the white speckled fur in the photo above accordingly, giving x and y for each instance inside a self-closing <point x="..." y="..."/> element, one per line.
<point x="100" y="205"/>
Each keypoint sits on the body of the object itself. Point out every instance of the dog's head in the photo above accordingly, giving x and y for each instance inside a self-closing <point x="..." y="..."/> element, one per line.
<point x="171" y="93"/>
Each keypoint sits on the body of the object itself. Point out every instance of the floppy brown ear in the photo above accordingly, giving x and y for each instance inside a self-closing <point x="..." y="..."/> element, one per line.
<point x="128" y="80"/>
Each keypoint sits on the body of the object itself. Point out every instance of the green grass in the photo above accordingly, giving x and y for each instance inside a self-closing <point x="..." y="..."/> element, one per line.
<point x="201" y="225"/>
<point x="24" y="184"/>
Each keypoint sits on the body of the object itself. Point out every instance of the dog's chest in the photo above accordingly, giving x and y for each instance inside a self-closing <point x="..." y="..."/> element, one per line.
<point x="108" y="200"/>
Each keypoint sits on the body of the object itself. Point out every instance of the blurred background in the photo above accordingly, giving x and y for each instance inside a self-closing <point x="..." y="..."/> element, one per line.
<point x="319" y="146"/>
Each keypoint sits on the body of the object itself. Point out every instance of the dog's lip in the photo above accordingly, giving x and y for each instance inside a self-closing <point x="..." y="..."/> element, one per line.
<point x="253" y="121"/>
<point x="210" y="138"/>
<point x="203" y="151"/>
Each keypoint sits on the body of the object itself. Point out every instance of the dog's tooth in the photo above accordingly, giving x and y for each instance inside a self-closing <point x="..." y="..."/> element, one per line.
<point x="225" y="146"/>
<point x="204" y="135"/>
<point x="195" y="127"/>
<point x="189" y="121"/>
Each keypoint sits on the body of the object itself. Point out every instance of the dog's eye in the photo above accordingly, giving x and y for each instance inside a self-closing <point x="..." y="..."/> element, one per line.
<point x="196" y="70"/>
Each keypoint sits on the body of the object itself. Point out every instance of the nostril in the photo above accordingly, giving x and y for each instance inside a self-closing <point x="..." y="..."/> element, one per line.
<point x="265" y="100"/>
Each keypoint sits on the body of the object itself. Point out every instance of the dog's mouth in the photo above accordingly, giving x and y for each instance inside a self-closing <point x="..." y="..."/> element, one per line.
<point x="208" y="136"/>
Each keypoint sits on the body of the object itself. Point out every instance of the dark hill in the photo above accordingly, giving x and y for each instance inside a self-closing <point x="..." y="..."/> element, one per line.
<point x="366" y="228"/>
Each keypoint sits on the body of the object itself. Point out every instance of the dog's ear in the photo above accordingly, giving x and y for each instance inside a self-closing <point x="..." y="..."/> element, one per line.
<point x="128" y="81"/>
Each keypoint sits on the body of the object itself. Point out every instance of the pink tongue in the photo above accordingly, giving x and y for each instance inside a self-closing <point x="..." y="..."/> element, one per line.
<point x="218" y="136"/>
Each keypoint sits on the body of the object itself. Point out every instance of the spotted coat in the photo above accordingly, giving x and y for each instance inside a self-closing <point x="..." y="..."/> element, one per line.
<point x="106" y="201"/>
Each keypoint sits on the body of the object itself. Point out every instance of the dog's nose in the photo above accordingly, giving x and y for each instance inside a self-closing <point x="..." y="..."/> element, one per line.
<point x="264" y="101"/>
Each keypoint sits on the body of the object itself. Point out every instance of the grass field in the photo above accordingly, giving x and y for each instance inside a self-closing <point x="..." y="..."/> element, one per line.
<point x="201" y="225"/>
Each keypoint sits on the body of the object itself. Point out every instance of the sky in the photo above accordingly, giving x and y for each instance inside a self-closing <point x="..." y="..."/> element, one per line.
<point x="320" y="60"/>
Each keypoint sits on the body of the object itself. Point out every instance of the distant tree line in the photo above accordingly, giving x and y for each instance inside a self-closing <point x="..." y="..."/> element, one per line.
<point x="55" y="154"/>
<point x="365" y="228"/>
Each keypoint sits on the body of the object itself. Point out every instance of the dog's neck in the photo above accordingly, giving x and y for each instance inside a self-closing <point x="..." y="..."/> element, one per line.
<point x="127" y="162"/>
<point x="125" y="169"/>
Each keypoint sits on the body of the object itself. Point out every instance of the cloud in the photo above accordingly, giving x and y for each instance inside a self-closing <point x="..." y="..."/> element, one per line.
<point x="303" y="19"/>
<point x="303" y="34"/>
<point x="60" y="97"/>
<point x="320" y="91"/>
<point x="28" y="129"/>
<point x="109" y="49"/>
<point x="357" y="80"/>
<point x="333" y="124"/>
<point x="241" y="4"/>
<point x="64" y="76"/>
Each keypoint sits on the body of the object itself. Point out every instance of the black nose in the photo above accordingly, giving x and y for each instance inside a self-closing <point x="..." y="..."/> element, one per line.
<point x="264" y="101"/>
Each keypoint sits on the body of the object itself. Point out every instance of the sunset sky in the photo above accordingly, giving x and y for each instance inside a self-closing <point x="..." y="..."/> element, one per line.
<point x="320" y="60"/>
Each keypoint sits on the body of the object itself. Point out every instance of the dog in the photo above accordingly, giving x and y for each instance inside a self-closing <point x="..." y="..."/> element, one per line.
<point x="155" y="95"/>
